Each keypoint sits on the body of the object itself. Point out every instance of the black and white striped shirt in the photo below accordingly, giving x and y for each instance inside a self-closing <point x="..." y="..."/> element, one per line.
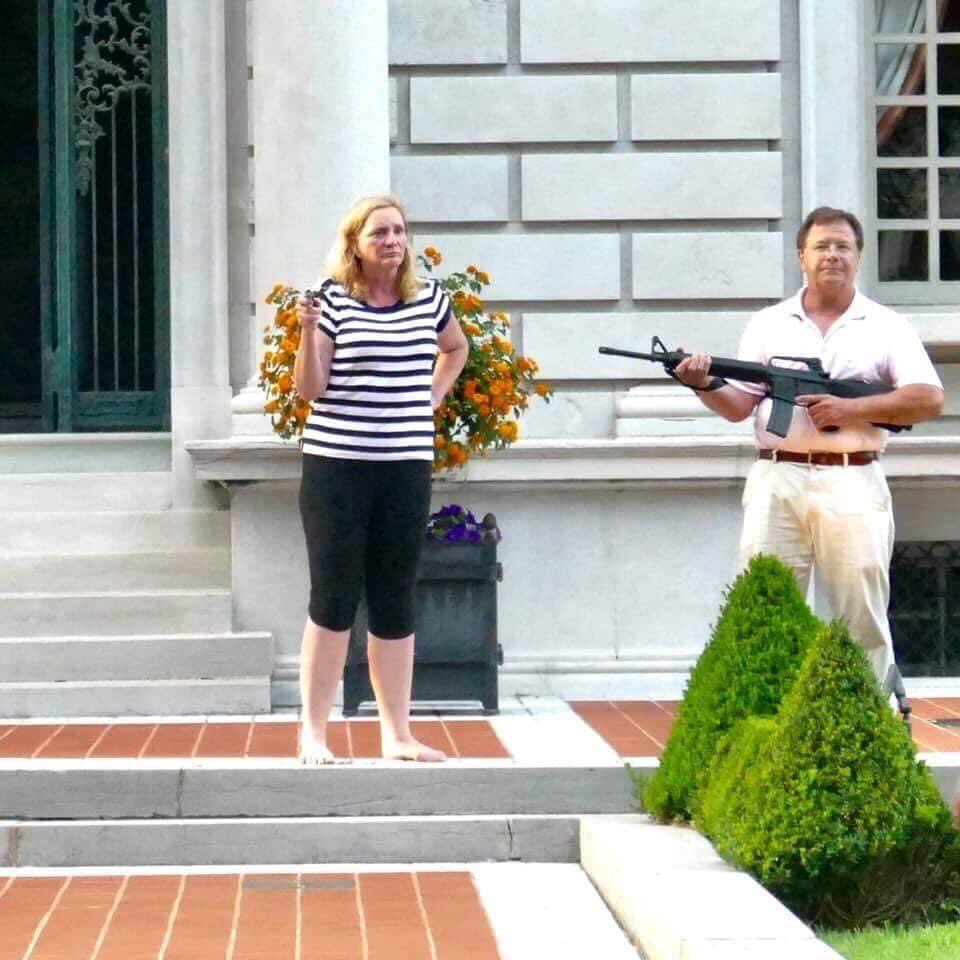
<point x="377" y="405"/>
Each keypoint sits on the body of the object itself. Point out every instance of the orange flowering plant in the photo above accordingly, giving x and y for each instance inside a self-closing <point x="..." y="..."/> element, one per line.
<point x="288" y="410"/>
<point x="478" y="414"/>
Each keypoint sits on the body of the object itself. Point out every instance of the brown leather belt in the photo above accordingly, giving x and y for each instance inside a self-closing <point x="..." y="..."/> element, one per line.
<point x="822" y="459"/>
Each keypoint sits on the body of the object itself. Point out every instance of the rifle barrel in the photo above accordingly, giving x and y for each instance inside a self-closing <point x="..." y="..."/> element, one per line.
<point x="614" y="351"/>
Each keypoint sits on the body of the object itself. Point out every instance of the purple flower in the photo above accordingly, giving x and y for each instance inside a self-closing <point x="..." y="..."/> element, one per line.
<point x="453" y="523"/>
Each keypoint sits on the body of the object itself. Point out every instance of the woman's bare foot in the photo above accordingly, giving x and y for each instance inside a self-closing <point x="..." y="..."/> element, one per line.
<point x="413" y="750"/>
<point x="315" y="752"/>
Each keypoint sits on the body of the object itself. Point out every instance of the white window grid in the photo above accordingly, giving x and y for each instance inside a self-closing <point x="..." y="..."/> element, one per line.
<point x="933" y="290"/>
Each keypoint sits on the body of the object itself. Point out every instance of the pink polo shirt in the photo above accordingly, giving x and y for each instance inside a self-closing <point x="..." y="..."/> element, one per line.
<point x="868" y="342"/>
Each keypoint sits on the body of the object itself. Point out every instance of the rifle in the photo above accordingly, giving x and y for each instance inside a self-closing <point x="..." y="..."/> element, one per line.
<point x="784" y="384"/>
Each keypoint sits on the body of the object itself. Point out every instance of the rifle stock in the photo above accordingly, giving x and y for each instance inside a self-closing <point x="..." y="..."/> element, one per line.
<point x="784" y="384"/>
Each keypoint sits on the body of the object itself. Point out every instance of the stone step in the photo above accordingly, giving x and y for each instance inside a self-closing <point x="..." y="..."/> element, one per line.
<point x="166" y="570"/>
<point x="115" y="613"/>
<point x="272" y="787"/>
<point x="144" y="657"/>
<point x="59" y="492"/>
<point x="84" y="452"/>
<point x="431" y="839"/>
<point x="118" y="698"/>
<point x="48" y="533"/>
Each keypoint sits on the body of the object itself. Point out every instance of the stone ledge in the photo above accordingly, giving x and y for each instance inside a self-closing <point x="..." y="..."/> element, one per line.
<point x="678" y="900"/>
<point x="634" y="461"/>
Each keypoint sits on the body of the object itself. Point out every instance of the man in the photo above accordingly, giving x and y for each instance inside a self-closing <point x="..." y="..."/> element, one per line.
<point x="818" y="496"/>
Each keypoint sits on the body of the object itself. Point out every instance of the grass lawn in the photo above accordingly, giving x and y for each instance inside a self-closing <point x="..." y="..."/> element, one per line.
<point x="941" y="942"/>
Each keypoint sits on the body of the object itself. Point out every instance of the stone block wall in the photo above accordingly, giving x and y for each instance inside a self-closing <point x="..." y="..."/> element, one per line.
<point x="616" y="166"/>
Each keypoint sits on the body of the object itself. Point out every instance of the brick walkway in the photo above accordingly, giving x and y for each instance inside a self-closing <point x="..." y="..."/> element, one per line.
<point x="352" y="739"/>
<point x="350" y="916"/>
<point x="639" y="728"/>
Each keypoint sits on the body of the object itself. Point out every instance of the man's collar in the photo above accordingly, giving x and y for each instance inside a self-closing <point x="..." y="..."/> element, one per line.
<point x="856" y="311"/>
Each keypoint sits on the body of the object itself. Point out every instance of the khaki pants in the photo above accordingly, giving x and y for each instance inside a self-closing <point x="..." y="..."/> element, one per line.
<point x="839" y="518"/>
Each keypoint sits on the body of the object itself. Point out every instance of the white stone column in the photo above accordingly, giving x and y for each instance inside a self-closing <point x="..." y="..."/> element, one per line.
<point x="832" y="115"/>
<point x="321" y="131"/>
<point x="199" y="312"/>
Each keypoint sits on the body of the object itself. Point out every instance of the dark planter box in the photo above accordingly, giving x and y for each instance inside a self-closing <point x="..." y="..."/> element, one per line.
<point x="457" y="653"/>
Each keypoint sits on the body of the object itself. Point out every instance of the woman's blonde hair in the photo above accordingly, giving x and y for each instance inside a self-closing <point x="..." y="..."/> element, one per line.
<point x="343" y="265"/>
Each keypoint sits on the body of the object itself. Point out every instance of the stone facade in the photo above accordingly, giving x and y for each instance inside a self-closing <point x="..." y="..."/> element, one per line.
<point x="621" y="169"/>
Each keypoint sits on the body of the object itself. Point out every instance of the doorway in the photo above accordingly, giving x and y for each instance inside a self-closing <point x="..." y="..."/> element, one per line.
<point x="83" y="217"/>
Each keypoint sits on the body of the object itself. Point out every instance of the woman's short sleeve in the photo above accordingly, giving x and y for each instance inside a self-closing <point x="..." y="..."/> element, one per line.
<point x="328" y="317"/>
<point x="444" y="313"/>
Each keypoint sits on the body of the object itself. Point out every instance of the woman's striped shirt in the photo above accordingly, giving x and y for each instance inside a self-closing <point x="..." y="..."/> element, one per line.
<point x="377" y="405"/>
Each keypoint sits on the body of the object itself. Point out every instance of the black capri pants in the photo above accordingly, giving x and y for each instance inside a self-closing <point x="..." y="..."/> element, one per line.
<point x="365" y="524"/>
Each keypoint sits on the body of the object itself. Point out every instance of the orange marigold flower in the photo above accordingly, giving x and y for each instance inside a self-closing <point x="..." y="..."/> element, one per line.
<point x="483" y="410"/>
<point x="471" y="269"/>
<point x="483" y="277"/>
<point x="285" y="383"/>
<point x="508" y="430"/>
<point x="542" y="389"/>
<point x="439" y="442"/>
<point x="289" y="344"/>
<point x="272" y="406"/>
<point x="471" y="329"/>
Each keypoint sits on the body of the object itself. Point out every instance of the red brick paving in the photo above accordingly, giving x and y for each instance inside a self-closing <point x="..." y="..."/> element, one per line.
<point x="639" y="728"/>
<point x="634" y="728"/>
<point x="366" y="916"/>
<point x="357" y="739"/>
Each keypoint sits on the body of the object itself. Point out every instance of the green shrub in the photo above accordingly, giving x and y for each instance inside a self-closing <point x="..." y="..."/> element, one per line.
<point x="751" y="660"/>
<point x="835" y="815"/>
<point x="738" y="752"/>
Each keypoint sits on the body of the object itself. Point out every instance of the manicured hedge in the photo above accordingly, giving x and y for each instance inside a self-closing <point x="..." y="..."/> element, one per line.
<point x="828" y="807"/>
<point x="751" y="660"/>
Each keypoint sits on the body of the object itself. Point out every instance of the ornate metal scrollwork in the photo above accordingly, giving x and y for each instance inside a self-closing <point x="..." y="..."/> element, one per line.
<point x="112" y="39"/>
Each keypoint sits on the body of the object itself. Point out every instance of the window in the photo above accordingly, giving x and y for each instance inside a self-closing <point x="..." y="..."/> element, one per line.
<point x="925" y="607"/>
<point x="913" y="77"/>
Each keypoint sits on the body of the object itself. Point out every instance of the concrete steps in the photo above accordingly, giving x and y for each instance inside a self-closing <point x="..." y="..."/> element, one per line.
<point x="299" y="840"/>
<point x="111" y="601"/>
<point x="184" y="696"/>
<point x="93" y="531"/>
<point x="151" y="570"/>
<point x="135" y="657"/>
<point x="115" y="613"/>
<point x="58" y="492"/>
<point x="115" y="813"/>
<point x="225" y="788"/>
<point x="84" y="452"/>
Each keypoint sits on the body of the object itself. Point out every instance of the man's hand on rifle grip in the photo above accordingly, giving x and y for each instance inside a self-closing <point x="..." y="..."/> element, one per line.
<point x="829" y="412"/>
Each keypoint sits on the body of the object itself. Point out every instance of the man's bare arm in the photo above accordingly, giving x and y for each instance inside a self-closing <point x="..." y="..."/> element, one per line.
<point x="727" y="401"/>
<point x="905" y="406"/>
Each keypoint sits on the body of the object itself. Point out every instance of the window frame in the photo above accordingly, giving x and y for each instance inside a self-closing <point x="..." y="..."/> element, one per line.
<point x="933" y="290"/>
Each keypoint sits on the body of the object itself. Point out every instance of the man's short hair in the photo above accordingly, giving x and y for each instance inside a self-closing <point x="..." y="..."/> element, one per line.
<point x="824" y="215"/>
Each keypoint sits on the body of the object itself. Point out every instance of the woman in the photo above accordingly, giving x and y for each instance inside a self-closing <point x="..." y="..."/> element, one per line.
<point x="379" y="350"/>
